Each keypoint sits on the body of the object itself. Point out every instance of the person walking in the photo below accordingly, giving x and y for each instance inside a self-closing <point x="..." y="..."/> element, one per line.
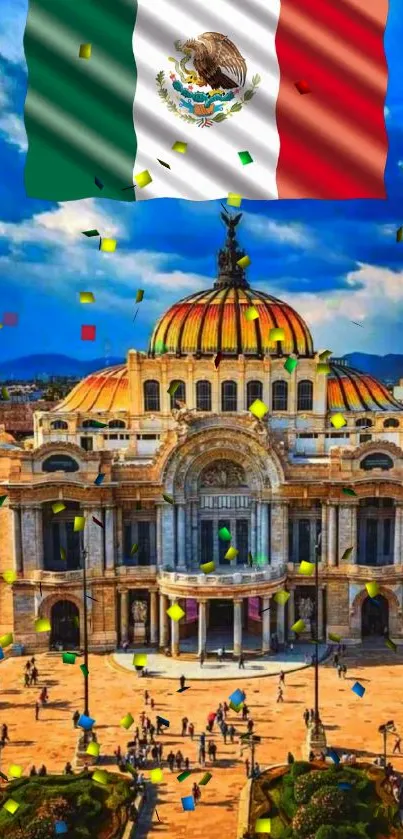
<point x="396" y="747"/>
<point x="184" y="726"/>
<point x="160" y="751"/>
<point x="179" y="759"/>
<point x="27" y="680"/>
<point x="306" y="717"/>
<point x="312" y="715"/>
<point x="220" y="653"/>
<point x="187" y="764"/>
<point x="226" y="709"/>
<point x="37" y="706"/>
<point x="247" y="767"/>
<point x="202" y="756"/>
<point x="249" y="726"/>
<point x="339" y="670"/>
<point x="33" y="771"/>
<point x="280" y="694"/>
<point x="142" y="718"/>
<point x="196" y="792"/>
<point x="191" y="730"/>
<point x="335" y="660"/>
<point x="152" y="704"/>
<point x="224" y="732"/>
<point x="4" y="734"/>
<point x="76" y="717"/>
<point x="344" y="670"/>
<point x="182" y="681"/>
<point x="282" y="678"/>
<point x="68" y="769"/>
<point x="146" y="697"/>
<point x="231" y="732"/>
<point x="245" y="712"/>
<point x="202" y="658"/>
<point x="34" y="676"/>
<point x="42" y="772"/>
<point x="171" y="760"/>
<point x="28" y="666"/>
<point x="241" y="662"/>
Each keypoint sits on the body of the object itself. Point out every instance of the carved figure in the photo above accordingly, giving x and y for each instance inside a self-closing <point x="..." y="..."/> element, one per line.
<point x="305" y="607"/>
<point x="139" y="611"/>
<point x="223" y="473"/>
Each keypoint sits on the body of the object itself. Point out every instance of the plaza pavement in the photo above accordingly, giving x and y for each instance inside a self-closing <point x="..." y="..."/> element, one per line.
<point x="351" y="724"/>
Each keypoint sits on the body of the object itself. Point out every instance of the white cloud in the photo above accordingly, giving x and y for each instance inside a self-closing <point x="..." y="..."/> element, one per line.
<point x="12" y="24"/>
<point x="13" y="130"/>
<point x="288" y="234"/>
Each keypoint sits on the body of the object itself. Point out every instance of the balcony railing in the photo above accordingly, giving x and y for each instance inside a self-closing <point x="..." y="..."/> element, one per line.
<point x="239" y="576"/>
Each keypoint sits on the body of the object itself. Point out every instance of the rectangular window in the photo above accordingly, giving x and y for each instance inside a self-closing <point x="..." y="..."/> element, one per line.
<point x="386" y="536"/>
<point x="127" y="541"/>
<point x="223" y="546"/>
<point x="86" y="444"/>
<point x="304" y="532"/>
<point x="291" y="555"/>
<point x="317" y="533"/>
<point x="56" y="544"/>
<point x="143" y="553"/>
<point x="73" y="547"/>
<point x="365" y="438"/>
<point x="207" y="542"/>
<point x="371" y="541"/>
<point x="242" y="541"/>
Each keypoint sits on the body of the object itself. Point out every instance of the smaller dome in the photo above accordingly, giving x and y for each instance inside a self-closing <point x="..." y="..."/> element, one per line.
<point x="350" y="390"/>
<point x="107" y="390"/>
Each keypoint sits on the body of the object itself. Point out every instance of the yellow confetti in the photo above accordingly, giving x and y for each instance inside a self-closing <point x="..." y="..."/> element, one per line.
<point x="243" y="262"/>
<point x="57" y="507"/>
<point x="281" y="597"/>
<point x="251" y="313"/>
<point x="128" y="720"/>
<point x="9" y="576"/>
<point x="100" y="777"/>
<point x="231" y="553"/>
<point x="87" y="297"/>
<point x="15" y="771"/>
<point x="6" y="640"/>
<point x="140" y="660"/>
<point x="234" y="199"/>
<point x="79" y="524"/>
<point x="42" y="625"/>
<point x="276" y="334"/>
<point x="258" y="409"/>
<point x="156" y="775"/>
<point x="338" y="421"/>
<point x="372" y="588"/>
<point x="175" y="612"/>
<point x="180" y="147"/>
<point x="306" y="568"/>
<point x="93" y="749"/>
<point x="85" y="51"/>
<point x="143" y="179"/>
<point x="11" y="806"/>
<point x="108" y="245"/>
<point x="207" y="567"/>
<point x="298" y="626"/>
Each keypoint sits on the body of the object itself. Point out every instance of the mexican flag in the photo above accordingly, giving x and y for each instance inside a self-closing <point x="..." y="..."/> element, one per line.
<point x="196" y="99"/>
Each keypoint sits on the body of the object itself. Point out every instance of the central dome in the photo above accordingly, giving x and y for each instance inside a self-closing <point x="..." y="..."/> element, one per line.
<point x="216" y="320"/>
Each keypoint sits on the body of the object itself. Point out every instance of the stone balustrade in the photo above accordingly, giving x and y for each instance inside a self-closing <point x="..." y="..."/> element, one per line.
<point x="238" y="577"/>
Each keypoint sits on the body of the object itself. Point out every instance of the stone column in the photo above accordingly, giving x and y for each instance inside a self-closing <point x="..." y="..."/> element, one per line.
<point x="17" y="538"/>
<point x="94" y="539"/>
<point x="265" y="550"/>
<point x="323" y="555"/>
<point x="153" y="617"/>
<point x="332" y="532"/>
<point x="29" y="527"/>
<point x="164" y="626"/>
<point x="397" y="552"/>
<point x="266" y="609"/>
<point x="109" y="538"/>
<point x="124" y="615"/>
<point x="202" y="626"/>
<point x="174" y="632"/>
<point x="195" y="535"/>
<point x="253" y="528"/>
<point x="258" y="528"/>
<point x="168" y="534"/>
<point x="237" y="627"/>
<point x="159" y="534"/>
<point x="119" y="535"/>
<point x="291" y="609"/>
<point x="348" y="532"/>
<point x="321" y="594"/>
<point x="39" y="536"/>
<point x="280" y="623"/>
<point x="181" y="535"/>
<point x="279" y="534"/>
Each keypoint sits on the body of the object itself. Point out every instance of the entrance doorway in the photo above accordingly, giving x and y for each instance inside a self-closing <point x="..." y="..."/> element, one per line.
<point x="221" y="614"/>
<point x="65" y="623"/>
<point x="374" y="616"/>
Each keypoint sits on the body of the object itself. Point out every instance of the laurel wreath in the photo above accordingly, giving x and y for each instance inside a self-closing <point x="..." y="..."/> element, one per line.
<point x="248" y="95"/>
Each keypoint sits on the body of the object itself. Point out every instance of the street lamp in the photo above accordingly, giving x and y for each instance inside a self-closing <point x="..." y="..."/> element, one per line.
<point x="85" y="627"/>
<point x="386" y="729"/>
<point x="316" y="703"/>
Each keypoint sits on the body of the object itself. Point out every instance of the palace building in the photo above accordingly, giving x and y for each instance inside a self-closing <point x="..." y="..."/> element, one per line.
<point x="179" y="466"/>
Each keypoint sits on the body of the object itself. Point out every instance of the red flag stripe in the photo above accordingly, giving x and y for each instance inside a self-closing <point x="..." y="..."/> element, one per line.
<point x="333" y="141"/>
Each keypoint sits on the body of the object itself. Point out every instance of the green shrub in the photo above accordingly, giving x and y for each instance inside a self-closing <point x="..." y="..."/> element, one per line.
<point x="287" y="801"/>
<point x="327" y="831"/>
<point x="305" y="787"/>
<point x="300" y="767"/>
<point x="334" y="799"/>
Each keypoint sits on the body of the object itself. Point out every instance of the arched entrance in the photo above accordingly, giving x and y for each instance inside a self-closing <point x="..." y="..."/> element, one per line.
<point x="374" y="616"/>
<point x="221" y="614"/>
<point x="65" y="623"/>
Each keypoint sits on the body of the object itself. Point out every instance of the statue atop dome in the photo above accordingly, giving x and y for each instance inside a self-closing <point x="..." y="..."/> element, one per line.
<point x="229" y="272"/>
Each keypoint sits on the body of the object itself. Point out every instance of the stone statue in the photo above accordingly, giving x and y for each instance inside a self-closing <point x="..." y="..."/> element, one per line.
<point x="306" y="608"/>
<point x="224" y="474"/>
<point x="231" y="222"/>
<point x="139" y="611"/>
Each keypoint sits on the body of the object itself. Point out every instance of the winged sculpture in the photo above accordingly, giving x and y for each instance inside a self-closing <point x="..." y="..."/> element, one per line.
<point x="217" y="62"/>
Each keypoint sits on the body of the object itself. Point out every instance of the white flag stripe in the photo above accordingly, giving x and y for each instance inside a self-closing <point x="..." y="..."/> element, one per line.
<point x="211" y="167"/>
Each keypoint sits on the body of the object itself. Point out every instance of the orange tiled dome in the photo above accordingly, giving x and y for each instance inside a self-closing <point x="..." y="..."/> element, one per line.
<point x="214" y="321"/>
<point x="107" y="390"/>
<point x="350" y="390"/>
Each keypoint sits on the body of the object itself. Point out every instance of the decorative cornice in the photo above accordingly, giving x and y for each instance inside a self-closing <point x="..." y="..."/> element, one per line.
<point x="372" y="446"/>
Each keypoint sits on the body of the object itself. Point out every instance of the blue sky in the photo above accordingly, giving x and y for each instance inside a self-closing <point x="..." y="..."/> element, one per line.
<point x="335" y="262"/>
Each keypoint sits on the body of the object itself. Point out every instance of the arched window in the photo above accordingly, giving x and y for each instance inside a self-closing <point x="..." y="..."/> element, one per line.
<point x="90" y="423"/>
<point x="228" y="396"/>
<point x="391" y="422"/>
<point x="203" y="395"/>
<point x="60" y="463"/>
<point x="254" y="390"/>
<point x="116" y="424"/>
<point x="305" y="395"/>
<point x="363" y="422"/>
<point x="377" y="460"/>
<point x="279" y="395"/>
<point x="151" y="396"/>
<point x="180" y="393"/>
<point x="59" y="425"/>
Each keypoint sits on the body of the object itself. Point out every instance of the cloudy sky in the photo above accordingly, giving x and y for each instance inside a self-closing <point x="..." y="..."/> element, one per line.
<point x="335" y="262"/>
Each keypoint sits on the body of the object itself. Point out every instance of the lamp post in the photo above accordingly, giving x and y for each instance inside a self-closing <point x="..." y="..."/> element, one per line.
<point x="316" y="701"/>
<point x="85" y="616"/>
<point x="385" y="729"/>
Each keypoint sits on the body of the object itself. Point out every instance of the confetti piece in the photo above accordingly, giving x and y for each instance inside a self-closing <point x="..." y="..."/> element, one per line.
<point x="1" y="654"/>
<point x="323" y="368"/>
<point x="88" y="333"/>
<point x="98" y="424"/>
<point x="231" y="553"/>
<point x="160" y="347"/>
<point x="91" y="233"/>
<point x="10" y="319"/>
<point x="234" y="199"/>
<point x="100" y="777"/>
<point x="348" y="491"/>
<point x="324" y="355"/>
<point x="162" y="162"/>
<point x="399" y="235"/>
<point x="163" y="721"/>
<point x="134" y="549"/>
<point x="207" y="567"/>
<point x="11" y="806"/>
<point x="42" y="625"/>
<point x="180" y="147"/>
<point x="63" y="554"/>
<point x="175" y="612"/>
<point x="15" y="771"/>
<point x="302" y="87"/>
<point x="9" y="577"/>
<point x="140" y="659"/>
<point x="183" y="776"/>
<point x="156" y="776"/>
<point x="251" y="313"/>
<point x="84" y="669"/>
<point x="181" y="690"/>
<point x="127" y="721"/>
<point x="345" y="786"/>
<point x="243" y="262"/>
<point x="236" y="708"/>
<point x="333" y="637"/>
<point x="61" y="827"/>
<point x="245" y="157"/>
<point x="108" y="245"/>
<point x="93" y="749"/>
<point x="205" y="779"/>
<point x="347" y="554"/>
<point x="290" y="364"/>
<point x="85" y="722"/>
<point x="391" y="646"/>
<point x="224" y="534"/>
<point x="281" y="597"/>
<point x="217" y="360"/>
<point x="372" y="588"/>
<point x="69" y="658"/>
<point x="263" y="826"/>
<point x="143" y="179"/>
<point x="79" y="524"/>
<point x="298" y="626"/>
<point x="306" y="568"/>
<point x="87" y="297"/>
<point x="188" y="803"/>
<point x="277" y="334"/>
<point x="57" y="507"/>
<point x="168" y="498"/>
<point x="173" y="387"/>
<point x="6" y="396"/>
<point x="139" y="295"/>
<point x="237" y="696"/>
<point x="2" y="499"/>
<point x="338" y="420"/>
<point x="98" y="183"/>
<point x="85" y="51"/>
<point x="99" y="479"/>
<point x="333" y="756"/>
<point x="6" y="640"/>
<point x="258" y="409"/>
<point x="358" y="689"/>
<point x="96" y="521"/>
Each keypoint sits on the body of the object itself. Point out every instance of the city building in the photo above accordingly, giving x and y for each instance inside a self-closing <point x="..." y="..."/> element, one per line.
<point x="179" y="466"/>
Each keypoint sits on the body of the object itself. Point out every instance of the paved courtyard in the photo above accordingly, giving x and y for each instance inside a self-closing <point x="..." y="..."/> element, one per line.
<point x="351" y="724"/>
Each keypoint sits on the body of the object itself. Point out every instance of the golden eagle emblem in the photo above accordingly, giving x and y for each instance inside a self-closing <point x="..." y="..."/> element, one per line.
<point x="213" y="87"/>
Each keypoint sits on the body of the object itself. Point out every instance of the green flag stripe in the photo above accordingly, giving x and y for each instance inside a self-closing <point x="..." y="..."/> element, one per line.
<point x="79" y="112"/>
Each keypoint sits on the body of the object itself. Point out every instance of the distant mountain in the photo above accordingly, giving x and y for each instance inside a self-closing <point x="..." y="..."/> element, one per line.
<point x="32" y="366"/>
<point x="387" y="368"/>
